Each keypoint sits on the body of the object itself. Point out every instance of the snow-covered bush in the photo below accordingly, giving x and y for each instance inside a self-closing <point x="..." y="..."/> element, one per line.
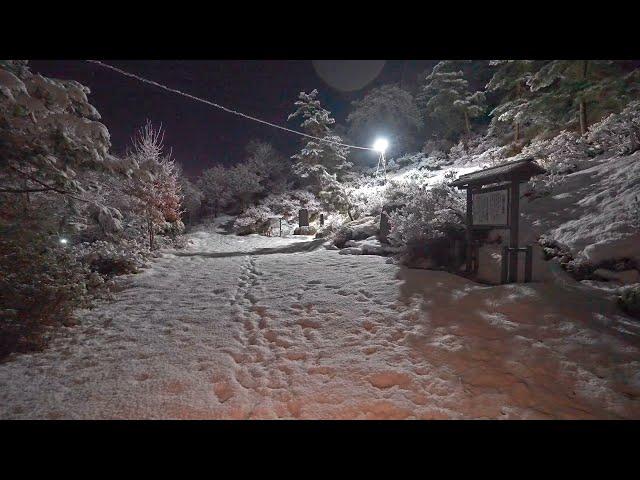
<point x="287" y="205"/>
<point x="41" y="282"/>
<point x="109" y="259"/>
<point x="428" y="214"/>
<point x="366" y="196"/>
<point x="436" y="146"/>
<point x="255" y="219"/>
<point x="559" y="156"/>
<point x="629" y="300"/>
<point x="617" y="134"/>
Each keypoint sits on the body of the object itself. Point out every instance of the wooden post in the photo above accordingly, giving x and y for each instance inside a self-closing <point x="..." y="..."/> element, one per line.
<point x="303" y="217"/>
<point x="280" y="226"/>
<point x="468" y="232"/>
<point x="528" y="264"/>
<point x="504" y="265"/>
<point x="514" y="221"/>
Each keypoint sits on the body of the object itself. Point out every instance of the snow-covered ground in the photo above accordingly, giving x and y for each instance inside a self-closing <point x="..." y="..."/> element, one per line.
<point x="257" y="327"/>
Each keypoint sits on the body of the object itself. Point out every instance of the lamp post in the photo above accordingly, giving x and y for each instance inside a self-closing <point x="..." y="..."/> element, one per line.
<point x="380" y="146"/>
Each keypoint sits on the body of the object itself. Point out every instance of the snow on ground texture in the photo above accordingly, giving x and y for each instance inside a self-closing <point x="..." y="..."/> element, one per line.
<point x="595" y="211"/>
<point x="257" y="327"/>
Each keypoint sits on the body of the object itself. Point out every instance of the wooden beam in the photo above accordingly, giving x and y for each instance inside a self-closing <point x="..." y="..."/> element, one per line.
<point x="514" y="213"/>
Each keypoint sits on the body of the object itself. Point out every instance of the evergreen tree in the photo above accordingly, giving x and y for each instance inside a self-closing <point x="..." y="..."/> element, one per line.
<point x="509" y="83"/>
<point x="581" y="91"/>
<point x="387" y="110"/>
<point x="320" y="161"/>
<point x="446" y="98"/>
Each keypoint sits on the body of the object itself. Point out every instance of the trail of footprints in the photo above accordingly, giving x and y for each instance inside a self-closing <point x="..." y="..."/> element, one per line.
<point x="275" y="353"/>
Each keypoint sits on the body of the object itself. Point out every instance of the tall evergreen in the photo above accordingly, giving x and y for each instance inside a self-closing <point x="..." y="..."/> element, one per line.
<point x="445" y="97"/>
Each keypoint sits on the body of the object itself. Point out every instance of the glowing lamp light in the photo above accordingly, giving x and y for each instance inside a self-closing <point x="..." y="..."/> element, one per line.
<point x="381" y="145"/>
<point x="64" y="241"/>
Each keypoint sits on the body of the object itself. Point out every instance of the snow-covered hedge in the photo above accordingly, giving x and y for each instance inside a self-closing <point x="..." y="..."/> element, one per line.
<point x="428" y="214"/>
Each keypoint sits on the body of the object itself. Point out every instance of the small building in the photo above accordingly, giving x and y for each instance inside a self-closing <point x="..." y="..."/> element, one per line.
<point x="493" y="203"/>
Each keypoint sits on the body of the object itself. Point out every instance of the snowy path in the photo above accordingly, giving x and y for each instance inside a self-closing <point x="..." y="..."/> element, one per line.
<point x="254" y="327"/>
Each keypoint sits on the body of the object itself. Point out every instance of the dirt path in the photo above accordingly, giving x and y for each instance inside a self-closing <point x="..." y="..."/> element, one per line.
<point x="251" y="327"/>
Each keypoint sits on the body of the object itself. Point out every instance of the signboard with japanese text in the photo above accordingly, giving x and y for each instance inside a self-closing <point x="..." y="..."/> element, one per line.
<point x="491" y="208"/>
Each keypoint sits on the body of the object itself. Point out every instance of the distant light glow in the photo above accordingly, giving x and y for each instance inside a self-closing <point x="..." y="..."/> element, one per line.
<point x="381" y="145"/>
<point x="64" y="241"/>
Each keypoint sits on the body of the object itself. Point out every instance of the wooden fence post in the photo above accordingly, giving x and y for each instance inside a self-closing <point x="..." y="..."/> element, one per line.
<point x="528" y="264"/>
<point x="504" y="265"/>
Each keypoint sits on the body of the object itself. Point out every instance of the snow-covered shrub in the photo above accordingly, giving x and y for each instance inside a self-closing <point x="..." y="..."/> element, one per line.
<point x="429" y="214"/>
<point x="629" y="300"/>
<point x="617" y="134"/>
<point x="559" y="156"/>
<point x="109" y="259"/>
<point x="255" y="219"/>
<point x="435" y="161"/>
<point x="366" y="196"/>
<point x="436" y="146"/>
<point x="41" y="282"/>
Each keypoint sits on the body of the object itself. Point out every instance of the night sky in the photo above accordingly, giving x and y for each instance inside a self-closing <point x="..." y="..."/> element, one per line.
<point x="201" y="135"/>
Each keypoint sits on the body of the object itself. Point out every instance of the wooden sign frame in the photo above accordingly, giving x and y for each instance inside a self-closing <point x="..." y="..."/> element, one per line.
<point x="478" y="191"/>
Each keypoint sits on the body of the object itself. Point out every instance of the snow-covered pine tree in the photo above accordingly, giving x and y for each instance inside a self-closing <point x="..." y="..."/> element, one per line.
<point x="390" y="111"/>
<point x="320" y="162"/>
<point x="582" y="91"/>
<point x="445" y="97"/>
<point x="509" y="83"/>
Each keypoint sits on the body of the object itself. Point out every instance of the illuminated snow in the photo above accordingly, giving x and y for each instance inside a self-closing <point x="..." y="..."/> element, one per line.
<point x="258" y="327"/>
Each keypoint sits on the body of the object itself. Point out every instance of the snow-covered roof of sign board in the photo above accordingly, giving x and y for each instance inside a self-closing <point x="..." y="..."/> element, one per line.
<point x="520" y="170"/>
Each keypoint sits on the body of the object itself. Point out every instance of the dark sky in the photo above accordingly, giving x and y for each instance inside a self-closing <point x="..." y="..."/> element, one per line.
<point x="201" y="135"/>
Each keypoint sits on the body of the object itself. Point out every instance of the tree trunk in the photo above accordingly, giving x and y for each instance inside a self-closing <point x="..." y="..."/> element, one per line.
<point x="583" y="117"/>
<point x="467" y="125"/>
<point x="584" y="124"/>
<point x="516" y="123"/>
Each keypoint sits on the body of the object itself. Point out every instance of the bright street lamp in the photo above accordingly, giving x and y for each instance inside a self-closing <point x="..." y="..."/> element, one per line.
<point x="381" y="145"/>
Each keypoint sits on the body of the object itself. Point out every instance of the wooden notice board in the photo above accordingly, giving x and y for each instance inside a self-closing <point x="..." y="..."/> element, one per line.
<point x="491" y="208"/>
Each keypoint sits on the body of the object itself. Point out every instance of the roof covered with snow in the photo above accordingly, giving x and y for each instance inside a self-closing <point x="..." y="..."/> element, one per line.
<point x="521" y="170"/>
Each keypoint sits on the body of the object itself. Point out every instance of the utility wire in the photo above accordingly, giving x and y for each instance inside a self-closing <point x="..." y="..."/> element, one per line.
<point x="228" y="110"/>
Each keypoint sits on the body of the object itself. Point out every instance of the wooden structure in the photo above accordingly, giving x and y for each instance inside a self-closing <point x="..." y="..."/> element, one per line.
<point x="303" y="217"/>
<point x="493" y="202"/>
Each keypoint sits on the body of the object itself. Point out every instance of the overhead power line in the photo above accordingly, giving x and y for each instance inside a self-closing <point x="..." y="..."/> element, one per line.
<point x="221" y="107"/>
